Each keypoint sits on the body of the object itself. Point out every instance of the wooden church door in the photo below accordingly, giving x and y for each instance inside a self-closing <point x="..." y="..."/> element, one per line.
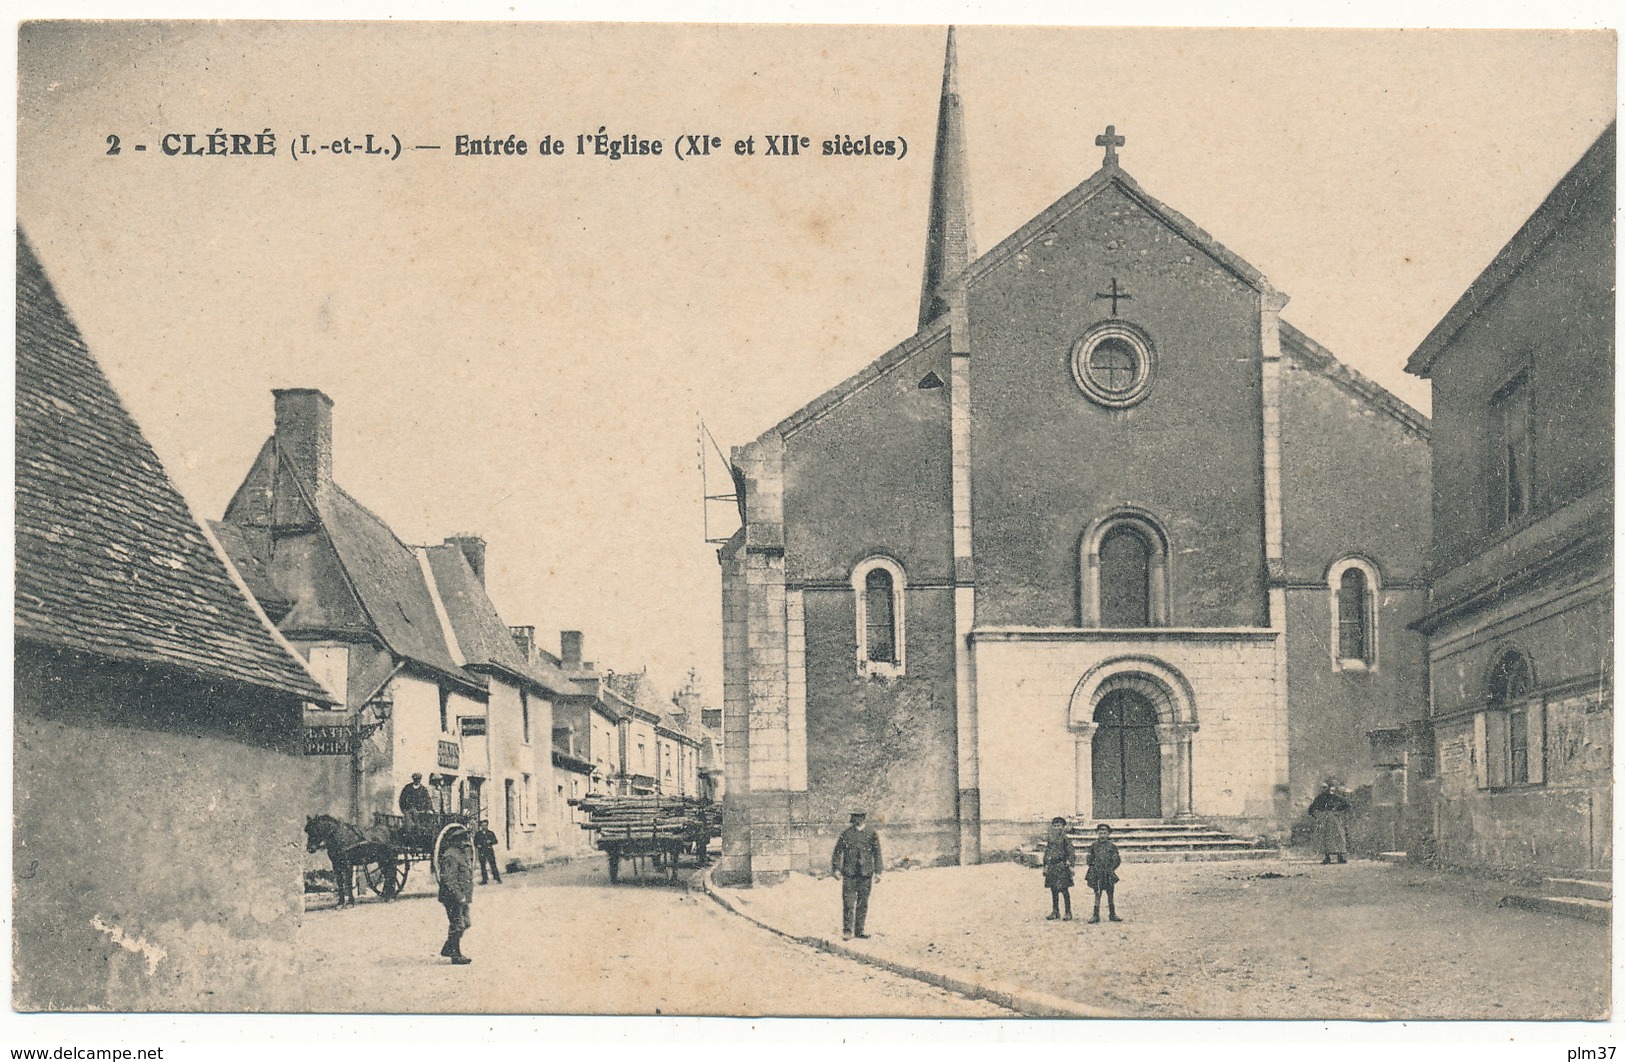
<point x="1127" y="758"/>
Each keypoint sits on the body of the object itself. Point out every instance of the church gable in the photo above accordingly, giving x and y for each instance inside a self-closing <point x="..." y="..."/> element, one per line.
<point x="1061" y="443"/>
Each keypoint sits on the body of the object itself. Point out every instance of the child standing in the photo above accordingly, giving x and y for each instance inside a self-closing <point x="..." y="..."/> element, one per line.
<point x="1102" y="874"/>
<point x="1058" y="860"/>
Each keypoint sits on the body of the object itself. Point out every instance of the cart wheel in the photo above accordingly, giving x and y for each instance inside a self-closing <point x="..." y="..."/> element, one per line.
<point x="381" y="880"/>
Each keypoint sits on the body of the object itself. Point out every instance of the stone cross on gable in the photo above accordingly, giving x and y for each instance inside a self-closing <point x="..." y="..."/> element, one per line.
<point x="1111" y="142"/>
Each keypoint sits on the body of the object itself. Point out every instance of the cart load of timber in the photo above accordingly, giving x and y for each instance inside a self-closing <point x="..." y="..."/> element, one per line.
<point x="659" y="828"/>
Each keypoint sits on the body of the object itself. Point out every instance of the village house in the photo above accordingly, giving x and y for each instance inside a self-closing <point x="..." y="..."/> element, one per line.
<point x="591" y="717"/>
<point x="1105" y="537"/>
<point x="1519" y="721"/>
<point x="157" y="718"/>
<point x="571" y="773"/>
<point x="429" y="678"/>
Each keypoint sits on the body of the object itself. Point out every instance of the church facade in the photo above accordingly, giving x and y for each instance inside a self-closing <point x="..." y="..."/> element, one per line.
<point x="1105" y="537"/>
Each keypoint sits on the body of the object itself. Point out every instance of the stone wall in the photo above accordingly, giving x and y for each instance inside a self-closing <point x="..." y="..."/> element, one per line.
<point x="1033" y="721"/>
<point x="158" y="841"/>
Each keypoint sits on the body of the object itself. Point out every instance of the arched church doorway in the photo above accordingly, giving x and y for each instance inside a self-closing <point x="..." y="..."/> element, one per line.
<point x="1127" y="757"/>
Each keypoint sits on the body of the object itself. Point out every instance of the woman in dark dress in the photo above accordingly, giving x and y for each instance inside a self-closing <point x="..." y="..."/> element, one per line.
<point x="1058" y="859"/>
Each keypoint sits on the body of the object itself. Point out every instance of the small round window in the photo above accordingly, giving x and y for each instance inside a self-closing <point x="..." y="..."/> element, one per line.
<point x="1113" y="364"/>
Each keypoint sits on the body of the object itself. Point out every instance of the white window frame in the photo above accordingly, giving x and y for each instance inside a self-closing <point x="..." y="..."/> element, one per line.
<point x="899" y="592"/>
<point x="1373" y="588"/>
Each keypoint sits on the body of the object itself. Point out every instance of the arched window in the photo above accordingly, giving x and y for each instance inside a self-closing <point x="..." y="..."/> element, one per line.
<point x="880" y="636"/>
<point x="877" y="585"/>
<point x="1511" y="734"/>
<point x="1125" y="573"/>
<point x="1353" y="583"/>
<point x="1510" y="681"/>
<point x="1125" y="578"/>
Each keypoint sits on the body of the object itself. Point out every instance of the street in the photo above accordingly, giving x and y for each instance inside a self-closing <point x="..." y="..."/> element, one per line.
<point x="562" y="940"/>
<point x="1266" y="939"/>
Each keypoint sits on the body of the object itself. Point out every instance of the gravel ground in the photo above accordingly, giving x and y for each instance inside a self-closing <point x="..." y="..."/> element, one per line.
<point x="565" y="941"/>
<point x="1256" y="939"/>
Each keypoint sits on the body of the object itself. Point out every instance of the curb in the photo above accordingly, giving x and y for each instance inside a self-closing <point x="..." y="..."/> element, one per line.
<point x="1028" y="1003"/>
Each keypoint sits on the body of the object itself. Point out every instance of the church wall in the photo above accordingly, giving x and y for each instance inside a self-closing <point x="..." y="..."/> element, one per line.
<point x="1557" y="317"/>
<point x="1047" y="461"/>
<point x="887" y="745"/>
<point x="1330" y="713"/>
<point x="872" y="476"/>
<point x="1354" y="482"/>
<point x="1028" y="752"/>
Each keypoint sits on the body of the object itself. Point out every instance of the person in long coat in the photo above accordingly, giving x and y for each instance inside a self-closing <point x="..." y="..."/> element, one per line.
<point x="454" y="864"/>
<point x="1329" y="812"/>
<point x="1058" y="860"/>
<point x="1104" y="859"/>
<point x="856" y="861"/>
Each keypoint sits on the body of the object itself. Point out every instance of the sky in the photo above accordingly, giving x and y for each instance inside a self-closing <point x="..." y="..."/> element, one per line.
<point x="523" y="347"/>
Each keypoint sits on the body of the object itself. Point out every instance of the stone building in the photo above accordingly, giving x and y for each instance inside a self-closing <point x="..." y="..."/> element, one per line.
<point x="158" y="741"/>
<point x="1104" y="537"/>
<point x="1520" y="618"/>
<point x="429" y="678"/>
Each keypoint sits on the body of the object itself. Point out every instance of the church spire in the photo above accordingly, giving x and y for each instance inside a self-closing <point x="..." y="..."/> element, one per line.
<point x="949" y="243"/>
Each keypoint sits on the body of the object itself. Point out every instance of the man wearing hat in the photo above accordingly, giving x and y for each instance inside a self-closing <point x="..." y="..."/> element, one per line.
<point x="454" y="865"/>
<point x="415" y="796"/>
<point x="856" y="862"/>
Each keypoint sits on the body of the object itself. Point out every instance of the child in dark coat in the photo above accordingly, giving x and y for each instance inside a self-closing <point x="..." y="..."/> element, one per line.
<point x="1102" y="873"/>
<point x="1058" y="859"/>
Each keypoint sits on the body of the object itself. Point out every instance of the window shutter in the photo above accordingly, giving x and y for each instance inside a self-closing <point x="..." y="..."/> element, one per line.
<point x="1537" y="743"/>
<point x="1494" y="764"/>
<point x="1481" y="749"/>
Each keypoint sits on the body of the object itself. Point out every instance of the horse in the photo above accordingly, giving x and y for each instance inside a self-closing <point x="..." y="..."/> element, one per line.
<point x="349" y="846"/>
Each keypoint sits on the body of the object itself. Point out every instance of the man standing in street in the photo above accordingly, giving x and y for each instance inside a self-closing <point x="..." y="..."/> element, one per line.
<point x="856" y="862"/>
<point x="485" y="843"/>
<point x="454" y="865"/>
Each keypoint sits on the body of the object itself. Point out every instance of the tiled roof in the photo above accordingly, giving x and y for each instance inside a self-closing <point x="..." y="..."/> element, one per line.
<point x="110" y="559"/>
<point x="389" y="581"/>
<point x="481" y="634"/>
<point x="247" y="549"/>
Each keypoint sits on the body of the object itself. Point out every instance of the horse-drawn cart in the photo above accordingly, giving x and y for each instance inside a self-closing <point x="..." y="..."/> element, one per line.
<point x="659" y="829"/>
<point x="382" y="854"/>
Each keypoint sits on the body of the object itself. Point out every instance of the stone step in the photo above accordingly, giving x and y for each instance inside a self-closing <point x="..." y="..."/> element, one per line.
<point x="1188" y="856"/>
<point x="1144" y="841"/>
<point x="1181" y="842"/>
<point x="1579" y="888"/>
<point x="1211" y="835"/>
<point x="1590" y="875"/>
<point x="1567" y="906"/>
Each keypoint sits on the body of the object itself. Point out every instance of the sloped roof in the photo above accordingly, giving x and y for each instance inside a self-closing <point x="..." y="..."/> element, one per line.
<point x="110" y="559"/>
<point x="1106" y="177"/>
<point x="247" y="547"/>
<point x="1597" y="164"/>
<point x="482" y="636"/>
<point x="1314" y="356"/>
<point x="389" y="581"/>
<point x="1310" y="353"/>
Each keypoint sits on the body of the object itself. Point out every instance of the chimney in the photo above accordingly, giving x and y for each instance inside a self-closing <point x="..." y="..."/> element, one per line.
<point x="304" y="436"/>
<point x="525" y="639"/>
<point x="473" y="547"/>
<point x="570" y="648"/>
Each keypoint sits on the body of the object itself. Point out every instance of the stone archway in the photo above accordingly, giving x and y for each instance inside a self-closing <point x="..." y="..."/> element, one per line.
<point x="1136" y="716"/>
